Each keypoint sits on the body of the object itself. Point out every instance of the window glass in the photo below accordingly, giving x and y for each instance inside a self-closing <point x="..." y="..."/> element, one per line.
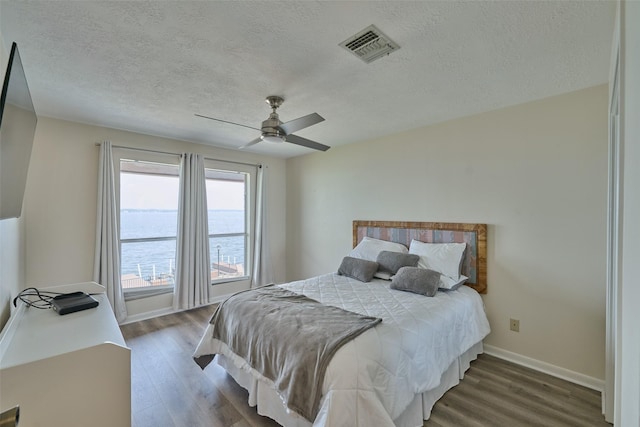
<point x="148" y="224"/>
<point x="228" y="236"/>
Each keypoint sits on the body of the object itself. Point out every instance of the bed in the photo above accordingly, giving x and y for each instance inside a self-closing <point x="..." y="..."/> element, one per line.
<point x="392" y="373"/>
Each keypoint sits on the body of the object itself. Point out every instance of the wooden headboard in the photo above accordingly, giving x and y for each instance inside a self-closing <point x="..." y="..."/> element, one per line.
<point x="474" y="264"/>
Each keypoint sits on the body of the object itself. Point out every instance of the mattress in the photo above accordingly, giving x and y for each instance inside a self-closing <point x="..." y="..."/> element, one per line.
<point x="382" y="375"/>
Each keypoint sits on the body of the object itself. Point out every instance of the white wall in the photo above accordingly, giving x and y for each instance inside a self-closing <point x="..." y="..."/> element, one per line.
<point x="628" y="400"/>
<point x="12" y="253"/>
<point x="535" y="173"/>
<point x="12" y="250"/>
<point x="61" y="196"/>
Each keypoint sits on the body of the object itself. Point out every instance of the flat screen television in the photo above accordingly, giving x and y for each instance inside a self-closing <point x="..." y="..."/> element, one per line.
<point x="17" y="128"/>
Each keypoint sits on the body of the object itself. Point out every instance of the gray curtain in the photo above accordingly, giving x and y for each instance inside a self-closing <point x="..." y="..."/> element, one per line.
<point x="262" y="266"/>
<point x="193" y="274"/>
<point x="106" y="267"/>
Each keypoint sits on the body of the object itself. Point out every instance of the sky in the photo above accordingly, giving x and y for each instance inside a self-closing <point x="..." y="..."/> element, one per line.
<point x="140" y="191"/>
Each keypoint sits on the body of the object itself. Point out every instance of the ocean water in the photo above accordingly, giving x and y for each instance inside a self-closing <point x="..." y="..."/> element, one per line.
<point x="157" y="259"/>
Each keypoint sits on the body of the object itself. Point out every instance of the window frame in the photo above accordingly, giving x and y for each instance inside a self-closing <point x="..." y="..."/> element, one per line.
<point x="249" y="227"/>
<point x="120" y="154"/>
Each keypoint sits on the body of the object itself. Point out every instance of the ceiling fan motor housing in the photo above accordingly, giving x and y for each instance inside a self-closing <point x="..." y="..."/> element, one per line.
<point x="270" y="127"/>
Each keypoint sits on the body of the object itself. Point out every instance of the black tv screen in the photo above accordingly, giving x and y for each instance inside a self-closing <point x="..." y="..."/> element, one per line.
<point x="17" y="128"/>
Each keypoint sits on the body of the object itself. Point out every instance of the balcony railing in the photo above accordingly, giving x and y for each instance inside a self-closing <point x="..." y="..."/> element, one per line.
<point x="226" y="252"/>
<point x="150" y="262"/>
<point x="147" y="262"/>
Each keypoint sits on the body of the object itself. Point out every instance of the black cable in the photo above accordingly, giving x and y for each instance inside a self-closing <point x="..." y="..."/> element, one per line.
<point x="41" y="301"/>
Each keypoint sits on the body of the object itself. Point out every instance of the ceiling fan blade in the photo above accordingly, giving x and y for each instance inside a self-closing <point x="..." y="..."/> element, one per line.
<point x="249" y="144"/>
<point x="225" y="121"/>
<point x="298" y="140"/>
<point x="300" y="123"/>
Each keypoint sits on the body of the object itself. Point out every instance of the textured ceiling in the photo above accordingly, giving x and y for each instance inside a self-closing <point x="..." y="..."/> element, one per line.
<point x="149" y="66"/>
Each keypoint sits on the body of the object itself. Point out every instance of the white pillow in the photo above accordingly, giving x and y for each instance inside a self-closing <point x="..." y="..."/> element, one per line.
<point x="442" y="257"/>
<point x="448" y="283"/>
<point x="382" y="275"/>
<point x="369" y="248"/>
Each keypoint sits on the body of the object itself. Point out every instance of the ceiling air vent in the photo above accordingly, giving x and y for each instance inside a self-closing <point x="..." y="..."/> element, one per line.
<point x="370" y="44"/>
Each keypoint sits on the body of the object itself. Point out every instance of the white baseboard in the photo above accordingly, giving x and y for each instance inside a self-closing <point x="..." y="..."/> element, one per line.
<point x="164" y="311"/>
<point x="546" y="368"/>
<point x="147" y="315"/>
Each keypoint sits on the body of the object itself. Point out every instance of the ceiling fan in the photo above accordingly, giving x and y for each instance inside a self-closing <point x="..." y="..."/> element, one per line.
<point x="273" y="130"/>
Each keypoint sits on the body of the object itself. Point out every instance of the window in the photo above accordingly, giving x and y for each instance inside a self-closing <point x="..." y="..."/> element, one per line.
<point x="227" y="201"/>
<point x="148" y="186"/>
<point x="148" y="225"/>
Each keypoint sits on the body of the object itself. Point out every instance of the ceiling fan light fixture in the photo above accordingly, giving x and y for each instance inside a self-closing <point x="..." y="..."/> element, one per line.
<point x="273" y="138"/>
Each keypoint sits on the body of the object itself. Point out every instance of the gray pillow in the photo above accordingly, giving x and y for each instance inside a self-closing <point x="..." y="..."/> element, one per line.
<point x="359" y="269"/>
<point x="417" y="280"/>
<point x="391" y="262"/>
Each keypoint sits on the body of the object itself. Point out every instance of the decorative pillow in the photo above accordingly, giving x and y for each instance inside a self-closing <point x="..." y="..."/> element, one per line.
<point x="447" y="283"/>
<point x="417" y="280"/>
<point x="359" y="269"/>
<point x="382" y="275"/>
<point x="390" y="262"/>
<point x="369" y="248"/>
<point x="443" y="257"/>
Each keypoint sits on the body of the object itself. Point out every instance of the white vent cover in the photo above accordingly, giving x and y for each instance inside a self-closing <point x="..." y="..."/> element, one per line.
<point x="370" y="44"/>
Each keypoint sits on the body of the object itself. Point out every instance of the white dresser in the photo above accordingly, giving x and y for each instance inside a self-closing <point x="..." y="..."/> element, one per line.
<point x="71" y="370"/>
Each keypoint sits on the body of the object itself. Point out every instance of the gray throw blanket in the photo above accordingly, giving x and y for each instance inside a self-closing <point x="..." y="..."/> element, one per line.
<point x="288" y="338"/>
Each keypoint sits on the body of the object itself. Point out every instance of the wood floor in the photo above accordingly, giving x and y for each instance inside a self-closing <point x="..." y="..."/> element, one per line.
<point x="169" y="389"/>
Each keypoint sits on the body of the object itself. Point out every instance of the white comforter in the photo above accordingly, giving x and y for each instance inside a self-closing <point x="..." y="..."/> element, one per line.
<point x="372" y="379"/>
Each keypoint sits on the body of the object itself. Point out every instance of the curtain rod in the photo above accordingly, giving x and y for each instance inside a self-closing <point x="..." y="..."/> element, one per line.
<point x="257" y="165"/>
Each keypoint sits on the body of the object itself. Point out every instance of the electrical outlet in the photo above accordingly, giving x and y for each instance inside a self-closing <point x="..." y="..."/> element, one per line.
<point x="514" y="325"/>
